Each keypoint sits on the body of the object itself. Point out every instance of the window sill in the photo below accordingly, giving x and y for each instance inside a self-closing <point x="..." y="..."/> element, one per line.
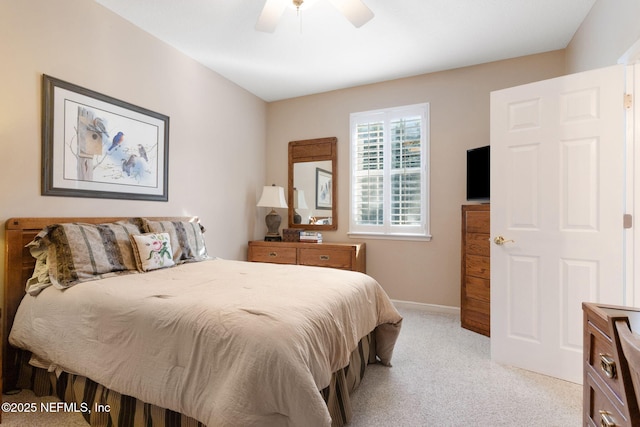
<point x="409" y="237"/>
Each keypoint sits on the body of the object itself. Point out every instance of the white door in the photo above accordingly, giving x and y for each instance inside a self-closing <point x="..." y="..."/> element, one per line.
<point x="557" y="191"/>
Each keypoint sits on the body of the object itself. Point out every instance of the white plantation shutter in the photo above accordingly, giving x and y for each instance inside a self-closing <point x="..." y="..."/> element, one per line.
<point x="368" y="185"/>
<point x="389" y="178"/>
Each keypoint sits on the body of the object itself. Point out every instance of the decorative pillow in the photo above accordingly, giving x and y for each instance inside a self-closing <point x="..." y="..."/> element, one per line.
<point x="40" y="277"/>
<point x="152" y="251"/>
<point x="187" y="239"/>
<point x="79" y="252"/>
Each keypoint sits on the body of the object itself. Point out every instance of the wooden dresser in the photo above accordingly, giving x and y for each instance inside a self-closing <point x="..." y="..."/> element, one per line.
<point x="609" y="399"/>
<point x="346" y="256"/>
<point x="475" y="272"/>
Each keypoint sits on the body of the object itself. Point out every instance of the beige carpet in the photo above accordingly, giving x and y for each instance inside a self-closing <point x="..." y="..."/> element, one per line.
<point x="442" y="375"/>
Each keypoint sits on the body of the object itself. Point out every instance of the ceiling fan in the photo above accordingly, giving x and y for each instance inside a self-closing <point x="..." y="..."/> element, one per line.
<point x="354" y="10"/>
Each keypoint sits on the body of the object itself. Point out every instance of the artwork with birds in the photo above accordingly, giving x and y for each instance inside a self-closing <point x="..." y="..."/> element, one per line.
<point x="98" y="126"/>
<point x="117" y="140"/>
<point x="143" y="152"/>
<point x="128" y="165"/>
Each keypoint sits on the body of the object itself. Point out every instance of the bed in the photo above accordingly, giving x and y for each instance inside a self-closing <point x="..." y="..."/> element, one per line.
<point x="194" y="341"/>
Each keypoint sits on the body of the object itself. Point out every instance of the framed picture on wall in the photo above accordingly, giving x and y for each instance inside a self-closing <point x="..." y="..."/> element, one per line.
<point x="101" y="147"/>
<point x="324" y="198"/>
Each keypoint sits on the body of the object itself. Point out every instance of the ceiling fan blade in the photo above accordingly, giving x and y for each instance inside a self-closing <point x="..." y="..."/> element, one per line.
<point x="271" y="13"/>
<point x="354" y="10"/>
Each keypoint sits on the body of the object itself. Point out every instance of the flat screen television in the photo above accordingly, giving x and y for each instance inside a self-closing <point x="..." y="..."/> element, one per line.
<point x="478" y="167"/>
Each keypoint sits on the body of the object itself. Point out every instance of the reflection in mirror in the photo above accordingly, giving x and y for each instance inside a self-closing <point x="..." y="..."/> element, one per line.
<point x="312" y="180"/>
<point x="312" y="184"/>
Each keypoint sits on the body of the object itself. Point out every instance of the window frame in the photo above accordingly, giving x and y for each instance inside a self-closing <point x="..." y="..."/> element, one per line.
<point x="388" y="230"/>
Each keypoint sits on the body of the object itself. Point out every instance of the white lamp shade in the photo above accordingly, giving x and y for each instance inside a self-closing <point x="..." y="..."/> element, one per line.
<point x="299" y="201"/>
<point x="272" y="197"/>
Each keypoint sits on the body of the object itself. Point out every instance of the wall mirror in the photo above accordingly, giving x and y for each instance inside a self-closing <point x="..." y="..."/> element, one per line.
<point x="312" y="184"/>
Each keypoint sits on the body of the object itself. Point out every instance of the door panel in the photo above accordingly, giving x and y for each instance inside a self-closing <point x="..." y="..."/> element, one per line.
<point x="557" y="194"/>
<point x="522" y="198"/>
<point x="524" y="297"/>
<point x="579" y="183"/>
<point x="579" y="280"/>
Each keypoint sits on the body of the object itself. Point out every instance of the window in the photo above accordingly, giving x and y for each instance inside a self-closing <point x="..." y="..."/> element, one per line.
<point x="389" y="176"/>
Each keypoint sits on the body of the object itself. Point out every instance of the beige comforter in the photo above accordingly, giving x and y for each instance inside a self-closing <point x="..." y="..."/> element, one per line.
<point x="225" y="342"/>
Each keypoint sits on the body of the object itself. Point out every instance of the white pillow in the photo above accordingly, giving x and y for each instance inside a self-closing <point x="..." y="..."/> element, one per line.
<point x="152" y="251"/>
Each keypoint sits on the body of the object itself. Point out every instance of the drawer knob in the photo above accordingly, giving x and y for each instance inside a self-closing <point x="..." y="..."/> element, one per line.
<point x="273" y="254"/>
<point x="608" y="365"/>
<point x="324" y="257"/>
<point x="607" y="420"/>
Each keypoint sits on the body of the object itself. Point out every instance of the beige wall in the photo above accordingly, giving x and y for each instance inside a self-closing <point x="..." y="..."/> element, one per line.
<point x="217" y="130"/>
<point x="218" y="158"/>
<point x="426" y="272"/>
<point x="610" y="28"/>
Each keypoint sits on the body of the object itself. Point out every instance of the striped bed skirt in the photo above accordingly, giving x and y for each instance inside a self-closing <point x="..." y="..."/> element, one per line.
<point x="127" y="411"/>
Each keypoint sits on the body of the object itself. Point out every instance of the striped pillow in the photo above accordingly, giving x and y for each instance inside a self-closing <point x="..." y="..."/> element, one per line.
<point x="79" y="252"/>
<point x="187" y="239"/>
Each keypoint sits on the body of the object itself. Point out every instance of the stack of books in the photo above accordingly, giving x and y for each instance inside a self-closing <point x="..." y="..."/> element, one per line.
<point x="310" y="237"/>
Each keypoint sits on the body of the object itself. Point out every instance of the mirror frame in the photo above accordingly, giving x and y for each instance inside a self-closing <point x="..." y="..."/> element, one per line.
<point x="314" y="150"/>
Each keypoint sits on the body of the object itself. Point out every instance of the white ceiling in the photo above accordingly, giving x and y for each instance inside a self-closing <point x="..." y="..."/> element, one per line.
<point x="320" y="50"/>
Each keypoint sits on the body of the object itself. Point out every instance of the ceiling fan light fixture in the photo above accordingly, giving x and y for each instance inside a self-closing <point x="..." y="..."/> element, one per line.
<point x="354" y="10"/>
<point x="301" y="4"/>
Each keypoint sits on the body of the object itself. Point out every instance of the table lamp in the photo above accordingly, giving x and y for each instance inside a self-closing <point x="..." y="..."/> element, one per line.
<point x="272" y="197"/>
<point x="299" y="202"/>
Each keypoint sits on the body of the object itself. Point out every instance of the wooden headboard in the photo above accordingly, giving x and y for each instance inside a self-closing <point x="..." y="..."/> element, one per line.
<point x="18" y="269"/>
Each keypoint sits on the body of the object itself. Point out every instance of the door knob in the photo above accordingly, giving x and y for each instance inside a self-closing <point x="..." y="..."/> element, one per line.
<point x="501" y="241"/>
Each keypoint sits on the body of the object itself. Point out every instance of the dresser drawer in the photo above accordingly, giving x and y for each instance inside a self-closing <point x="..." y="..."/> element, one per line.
<point x="326" y="257"/>
<point x="346" y="256"/>
<point x="601" y="358"/>
<point x="478" y="266"/>
<point x="478" y="221"/>
<point x="477" y="244"/>
<point x="477" y="316"/>
<point x="601" y="410"/>
<point x="478" y="289"/>
<point x="273" y="254"/>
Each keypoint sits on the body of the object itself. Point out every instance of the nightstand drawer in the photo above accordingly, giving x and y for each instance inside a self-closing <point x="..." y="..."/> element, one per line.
<point x="326" y="257"/>
<point x="277" y="255"/>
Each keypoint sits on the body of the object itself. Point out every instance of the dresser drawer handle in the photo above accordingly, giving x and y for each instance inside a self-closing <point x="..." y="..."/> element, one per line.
<point x="273" y="254"/>
<point x="608" y="365"/>
<point x="324" y="257"/>
<point x="607" y="420"/>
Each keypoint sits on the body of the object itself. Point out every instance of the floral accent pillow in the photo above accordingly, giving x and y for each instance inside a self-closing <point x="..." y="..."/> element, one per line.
<point x="187" y="239"/>
<point x="152" y="251"/>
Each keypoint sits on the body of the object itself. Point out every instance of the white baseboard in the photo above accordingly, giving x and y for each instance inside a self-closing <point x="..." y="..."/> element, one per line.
<point x="433" y="308"/>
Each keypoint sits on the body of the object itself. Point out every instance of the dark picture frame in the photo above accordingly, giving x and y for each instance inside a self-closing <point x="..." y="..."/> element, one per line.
<point x="97" y="146"/>
<point x="324" y="196"/>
